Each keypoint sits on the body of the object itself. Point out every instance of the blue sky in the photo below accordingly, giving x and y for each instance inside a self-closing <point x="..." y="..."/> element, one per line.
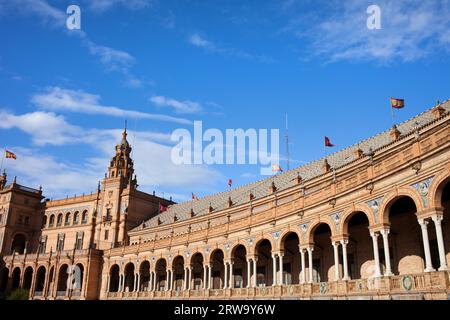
<point x="64" y="95"/>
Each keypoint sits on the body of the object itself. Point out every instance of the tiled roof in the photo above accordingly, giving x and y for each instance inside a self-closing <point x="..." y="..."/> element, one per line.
<point x="287" y="179"/>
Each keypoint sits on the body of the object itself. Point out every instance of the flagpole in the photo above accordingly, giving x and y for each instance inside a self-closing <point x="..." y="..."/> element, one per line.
<point x="393" y="116"/>
<point x="3" y="158"/>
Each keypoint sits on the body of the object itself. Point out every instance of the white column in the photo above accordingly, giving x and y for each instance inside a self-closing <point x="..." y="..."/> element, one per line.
<point x="108" y="283"/>
<point x="204" y="276"/>
<point x="440" y="240"/>
<point x="255" y="273"/>
<point x="248" y="272"/>
<point x="122" y="283"/>
<point x="387" y="255"/>
<point x="167" y="280"/>
<point x="189" y="277"/>
<point x="231" y="276"/>
<point x="138" y="285"/>
<point x="274" y="269"/>
<point x="376" y="254"/>
<point x="225" y="284"/>
<point x="336" y="261"/>
<point x="119" y="289"/>
<point x="149" y="288"/>
<point x="280" y="257"/>
<point x="345" y="258"/>
<point x="310" y="264"/>
<point x="155" y="284"/>
<point x="426" y="245"/>
<point x="210" y="276"/>
<point x="185" y="279"/>
<point x="302" y="252"/>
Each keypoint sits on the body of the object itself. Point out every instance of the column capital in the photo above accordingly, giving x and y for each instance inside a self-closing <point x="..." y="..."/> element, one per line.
<point x="437" y="218"/>
<point x="429" y="212"/>
<point x="344" y="242"/>
<point x="423" y="222"/>
<point x="339" y="237"/>
<point x="307" y="246"/>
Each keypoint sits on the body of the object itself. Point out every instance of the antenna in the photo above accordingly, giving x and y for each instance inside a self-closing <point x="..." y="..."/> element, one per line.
<point x="287" y="144"/>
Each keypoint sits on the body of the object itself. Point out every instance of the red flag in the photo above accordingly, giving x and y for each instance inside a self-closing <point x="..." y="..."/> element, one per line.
<point x="397" y="103"/>
<point x="276" y="168"/>
<point x="162" y="208"/>
<point x="10" y="155"/>
<point x="230" y="182"/>
<point x="194" y="197"/>
<point x="328" y="142"/>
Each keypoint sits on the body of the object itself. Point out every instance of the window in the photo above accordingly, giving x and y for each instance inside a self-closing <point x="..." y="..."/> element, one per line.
<point x="84" y="217"/>
<point x="106" y="234"/>
<point x="52" y="221"/>
<point x="27" y="220"/>
<point x="67" y="221"/>
<point x="42" y="244"/>
<point x="59" y="221"/>
<point x="79" y="242"/>
<point x="20" y="219"/>
<point x="60" y="242"/>
<point x="76" y="217"/>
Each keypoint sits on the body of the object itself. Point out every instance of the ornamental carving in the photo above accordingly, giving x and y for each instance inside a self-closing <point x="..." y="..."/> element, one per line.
<point x="422" y="188"/>
<point x="374" y="205"/>
<point x="337" y="219"/>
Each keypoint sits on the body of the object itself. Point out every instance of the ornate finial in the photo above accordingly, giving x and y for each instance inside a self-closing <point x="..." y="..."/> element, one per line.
<point x="299" y="178"/>
<point x="326" y="166"/>
<point x="230" y="202"/>
<point x="273" y="188"/>
<point x="210" y="209"/>
<point x="192" y="213"/>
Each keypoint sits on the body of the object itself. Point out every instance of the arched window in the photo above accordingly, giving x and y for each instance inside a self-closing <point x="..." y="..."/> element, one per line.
<point x="59" y="220"/>
<point x="52" y="221"/>
<point x="76" y="217"/>
<point x="84" y="217"/>
<point x="67" y="221"/>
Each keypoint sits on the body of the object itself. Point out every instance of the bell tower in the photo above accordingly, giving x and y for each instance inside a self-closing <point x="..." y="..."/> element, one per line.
<point x="121" y="165"/>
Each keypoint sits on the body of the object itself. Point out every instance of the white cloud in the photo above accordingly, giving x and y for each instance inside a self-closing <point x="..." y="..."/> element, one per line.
<point x="338" y="31"/>
<point x="179" y="106"/>
<point x="102" y="5"/>
<point x="56" y="98"/>
<point x="199" y="41"/>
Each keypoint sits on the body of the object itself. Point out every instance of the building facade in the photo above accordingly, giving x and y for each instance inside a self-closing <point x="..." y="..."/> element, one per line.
<point x="371" y="221"/>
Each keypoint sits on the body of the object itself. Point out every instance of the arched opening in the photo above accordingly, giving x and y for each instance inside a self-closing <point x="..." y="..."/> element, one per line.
<point x="27" y="278"/>
<point x="291" y="259"/>
<point x="144" y="276"/>
<point x="445" y="203"/>
<point x="16" y="278"/>
<point x="405" y="238"/>
<point x="76" y="217"/>
<point x="4" y="279"/>
<point x="197" y="271"/>
<point x="114" y="278"/>
<point x="161" y="274"/>
<point x="129" y="278"/>
<point x="217" y="269"/>
<point x="59" y="220"/>
<point x="19" y="243"/>
<point x="178" y="273"/>
<point x="62" y="280"/>
<point x="240" y="266"/>
<point x="359" y="250"/>
<point x="79" y="274"/>
<point x="40" y="281"/>
<point x="67" y="219"/>
<point x="84" y="217"/>
<point x="323" y="254"/>
<point x="52" y="221"/>
<point x="264" y="271"/>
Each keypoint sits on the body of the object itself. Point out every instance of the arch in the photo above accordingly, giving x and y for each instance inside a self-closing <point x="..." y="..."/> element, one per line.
<point x="217" y="269"/>
<point x="290" y="246"/>
<point x="76" y="217"/>
<point x="323" y="255"/>
<point x="16" y="278"/>
<point x="144" y="275"/>
<point x="260" y="239"/>
<point x="315" y="224"/>
<point x="129" y="277"/>
<point x="392" y="196"/>
<point x="28" y="278"/>
<point x="198" y="270"/>
<point x="19" y="243"/>
<point x="67" y="219"/>
<point x="178" y="273"/>
<point x="59" y="220"/>
<point x="264" y="266"/>
<point x="285" y="234"/>
<point x="114" y="278"/>
<point x="240" y="266"/>
<point x="84" y="217"/>
<point x="161" y="274"/>
<point x="436" y="188"/>
<point x="360" y="259"/>
<point x="349" y="213"/>
<point x="51" y="222"/>
<point x="40" y="280"/>
<point x="62" y="280"/>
